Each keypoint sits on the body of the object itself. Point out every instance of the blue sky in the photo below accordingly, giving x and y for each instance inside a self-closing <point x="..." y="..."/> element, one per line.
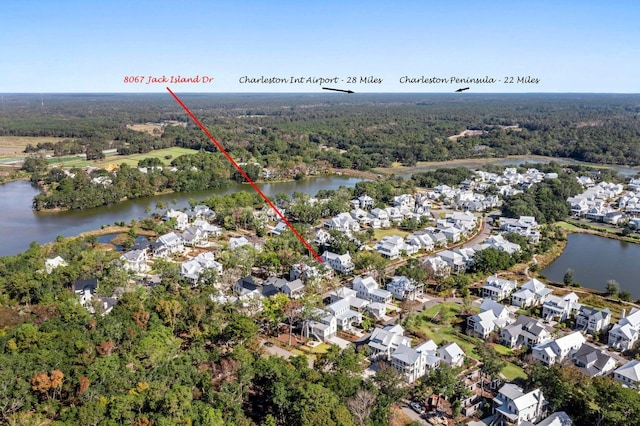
<point x="91" y="46"/>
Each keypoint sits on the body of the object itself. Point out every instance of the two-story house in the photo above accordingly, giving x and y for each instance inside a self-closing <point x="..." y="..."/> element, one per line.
<point x="338" y="262"/>
<point x="346" y="317"/>
<point x="560" y="349"/>
<point x="515" y="407"/>
<point x="384" y="341"/>
<point x="367" y="288"/>
<point x="560" y="308"/>
<point x="532" y="293"/>
<point x="625" y="333"/>
<point x="593" y="320"/>
<point x="527" y="332"/>
<point x="403" y="288"/>
<point x="498" y="288"/>
<point x="452" y="355"/>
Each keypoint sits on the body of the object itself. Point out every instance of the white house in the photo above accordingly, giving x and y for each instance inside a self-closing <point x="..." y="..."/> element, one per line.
<point x="532" y="293"/>
<point x="560" y="349"/>
<point x="345" y="316"/>
<point x="324" y="328"/>
<point x="192" y="269"/>
<point x="193" y="236"/>
<point x="593" y="320"/>
<point x="182" y="220"/>
<point x="514" y="407"/>
<point x="403" y="288"/>
<point x="409" y="362"/>
<point x="236" y="242"/>
<point x="629" y="374"/>
<point x="338" y="262"/>
<point x="624" y="334"/>
<point x="456" y="261"/>
<point x="560" y="308"/>
<point x="367" y="288"/>
<point x="452" y="355"/>
<point x="172" y="241"/>
<point x="498" y="288"/>
<point x="384" y="341"/>
<point x="422" y="240"/>
<point x="343" y="222"/>
<point x="436" y="267"/>
<point x="135" y="260"/>
<point x="294" y="289"/>
<point x="429" y="351"/>
<point x="493" y="316"/>
<point x="51" y="264"/>
<point x="526" y="226"/>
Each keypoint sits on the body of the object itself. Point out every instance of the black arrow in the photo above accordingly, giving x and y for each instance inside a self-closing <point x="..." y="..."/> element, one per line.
<point x="338" y="90"/>
<point x="462" y="88"/>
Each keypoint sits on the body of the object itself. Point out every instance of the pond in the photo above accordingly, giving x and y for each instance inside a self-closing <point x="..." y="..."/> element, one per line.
<point x="596" y="260"/>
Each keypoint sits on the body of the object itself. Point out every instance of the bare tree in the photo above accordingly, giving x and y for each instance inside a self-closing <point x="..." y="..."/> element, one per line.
<point x="361" y="405"/>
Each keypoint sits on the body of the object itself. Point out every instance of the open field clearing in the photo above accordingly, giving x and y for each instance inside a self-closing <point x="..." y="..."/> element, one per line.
<point x="154" y="129"/>
<point x="165" y="155"/>
<point x="10" y="145"/>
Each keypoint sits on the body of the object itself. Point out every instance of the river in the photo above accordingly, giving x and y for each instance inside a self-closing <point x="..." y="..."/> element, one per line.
<point x="20" y="225"/>
<point x="596" y="260"/>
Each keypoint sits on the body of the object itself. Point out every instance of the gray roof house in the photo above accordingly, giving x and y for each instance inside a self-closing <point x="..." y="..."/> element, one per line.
<point x="629" y="374"/>
<point x="526" y="331"/>
<point x="593" y="320"/>
<point x="594" y="361"/>
<point x="514" y="407"/>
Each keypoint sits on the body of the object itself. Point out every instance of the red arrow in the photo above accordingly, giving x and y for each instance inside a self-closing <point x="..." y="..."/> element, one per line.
<point x="242" y="172"/>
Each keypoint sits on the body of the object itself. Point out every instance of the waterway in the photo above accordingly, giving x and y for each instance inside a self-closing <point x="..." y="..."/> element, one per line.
<point x="20" y="224"/>
<point x="596" y="260"/>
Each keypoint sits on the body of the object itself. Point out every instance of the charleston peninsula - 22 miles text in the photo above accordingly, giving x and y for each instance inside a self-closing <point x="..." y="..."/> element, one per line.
<point x="468" y="80"/>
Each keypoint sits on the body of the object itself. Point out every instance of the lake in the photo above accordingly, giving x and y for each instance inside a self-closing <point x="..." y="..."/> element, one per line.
<point x="20" y="224"/>
<point x="596" y="260"/>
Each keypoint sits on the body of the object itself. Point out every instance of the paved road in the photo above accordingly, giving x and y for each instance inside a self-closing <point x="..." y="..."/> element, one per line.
<point x="413" y="415"/>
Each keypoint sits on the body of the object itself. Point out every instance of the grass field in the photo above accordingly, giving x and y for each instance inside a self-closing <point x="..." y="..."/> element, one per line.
<point x="16" y="144"/>
<point x="502" y="350"/>
<point x="512" y="372"/>
<point x="379" y="234"/>
<point x="114" y="158"/>
<point x="442" y="329"/>
<point x="153" y="129"/>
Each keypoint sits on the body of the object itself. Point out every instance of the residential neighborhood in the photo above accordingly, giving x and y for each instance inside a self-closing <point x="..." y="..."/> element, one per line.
<point x="395" y="315"/>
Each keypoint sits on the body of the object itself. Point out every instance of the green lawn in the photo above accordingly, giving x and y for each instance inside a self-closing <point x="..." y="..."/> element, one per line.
<point x="132" y="160"/>
<point x="567" y="226"/>
<point x="502" y="350"/>
<point x="443" y="331"/>
<point x="512" y="372"/>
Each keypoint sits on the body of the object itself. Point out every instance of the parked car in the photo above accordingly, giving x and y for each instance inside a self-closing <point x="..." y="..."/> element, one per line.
<point x="418" y="408"/>
<point x="268" y="344"/>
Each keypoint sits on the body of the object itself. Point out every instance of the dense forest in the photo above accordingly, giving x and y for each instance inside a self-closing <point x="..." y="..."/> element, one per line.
<point x="358" y="131"/>
<point x="164" y="356"/>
